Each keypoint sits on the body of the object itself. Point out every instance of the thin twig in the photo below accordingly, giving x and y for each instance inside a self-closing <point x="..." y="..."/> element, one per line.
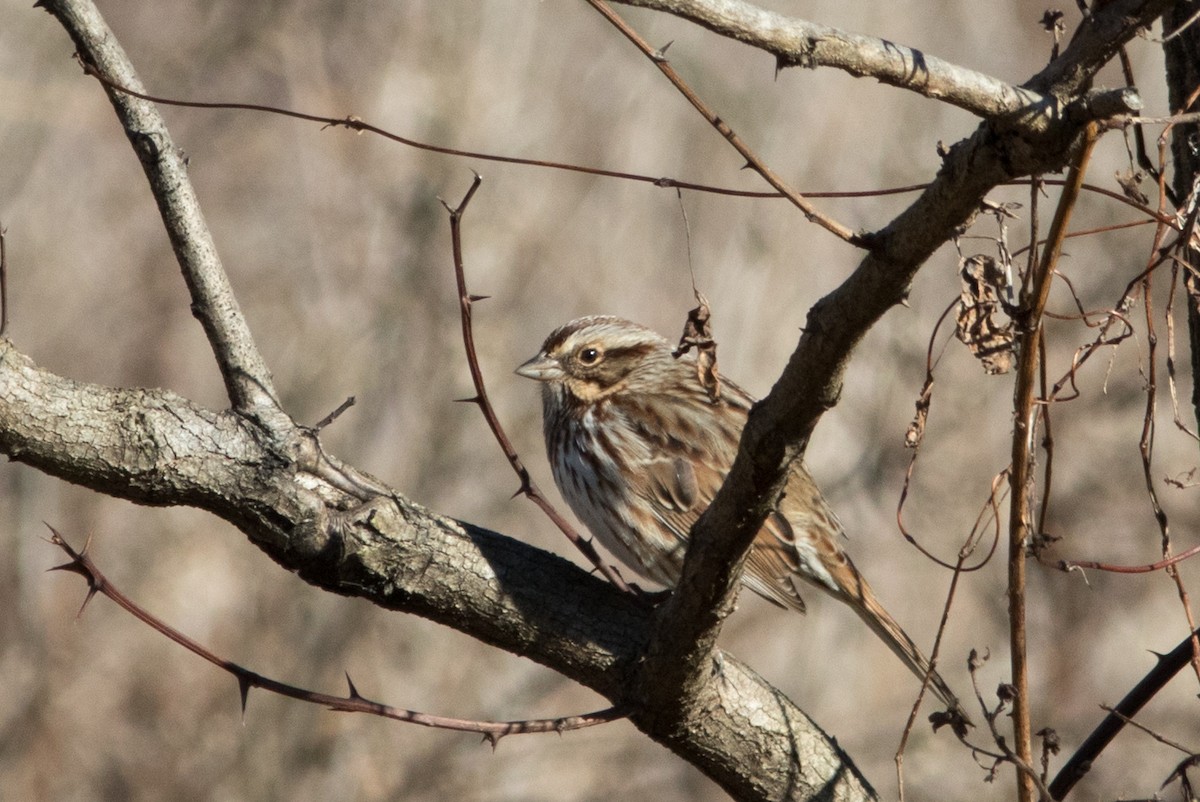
<point x="1080" y="763"/>
<point x="752" y="160"/>
<point x="3" y="283"/>
<point x="1005" y="693"/>
<point x="528" y="487"/>
<point x="1162" y="739"/>
<point x="358" y="124"/>
<point x="1034" y="295"/>
<point x="332" y="416"/>
<point x="939" y="718"/>
<point x="1146" y="443"/>
<point x="1069" y="565"/>
<point x="81" y="563"/>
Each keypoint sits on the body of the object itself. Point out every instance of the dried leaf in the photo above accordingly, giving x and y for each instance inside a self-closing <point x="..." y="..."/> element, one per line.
<point x="697" y="333"/>
<point x="989" y="337"/>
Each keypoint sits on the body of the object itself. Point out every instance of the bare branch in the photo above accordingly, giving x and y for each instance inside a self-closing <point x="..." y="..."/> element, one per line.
<point x="401" y="556"/>
<point x="752" y="160"/>
<point x="1080" y="763"/>
<point x="247" y="380"/>
<point x="528" y="488"/>
<point x="799" y="43"/>
<point x="1025" y="424"/>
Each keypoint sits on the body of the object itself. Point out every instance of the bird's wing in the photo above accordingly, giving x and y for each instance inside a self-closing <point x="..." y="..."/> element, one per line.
<point x="680" y="477"/>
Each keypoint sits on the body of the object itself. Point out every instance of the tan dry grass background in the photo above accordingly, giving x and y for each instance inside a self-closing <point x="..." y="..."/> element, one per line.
<point x="339" y="251"/>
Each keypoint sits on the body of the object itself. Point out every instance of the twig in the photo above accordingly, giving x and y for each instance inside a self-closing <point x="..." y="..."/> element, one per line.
<point x="752" y="160"/>
<point x="332" y="416"/>
<point x="528" y="487"/>
<point x="913" y="439"/>
<point x="1034" y="295"/>
<point x="1005" y="694"/>
<point x="358" y="124"/>
<point x="1069" y="565"/>
<point x="939" y="719"/>
<point x="1146" y="443"/>
<point x="1162" y="739"/>
<point x="81" y="563"/>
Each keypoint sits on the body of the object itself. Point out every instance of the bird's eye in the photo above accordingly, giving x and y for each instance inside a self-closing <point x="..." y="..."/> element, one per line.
<point x="589" y="356"/>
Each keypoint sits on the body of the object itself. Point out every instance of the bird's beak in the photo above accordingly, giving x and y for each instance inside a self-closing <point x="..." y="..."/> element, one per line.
<point x="542" y="368"/>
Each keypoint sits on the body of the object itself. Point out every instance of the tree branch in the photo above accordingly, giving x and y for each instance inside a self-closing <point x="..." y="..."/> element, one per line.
<point x="799" y="43"/>
<point x="247" y="380"/>
<point x="155" y="447"/>
<point x="780" y="425"/>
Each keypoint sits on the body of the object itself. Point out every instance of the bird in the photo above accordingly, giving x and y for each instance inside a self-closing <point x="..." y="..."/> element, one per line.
<point x="639" y="445"/>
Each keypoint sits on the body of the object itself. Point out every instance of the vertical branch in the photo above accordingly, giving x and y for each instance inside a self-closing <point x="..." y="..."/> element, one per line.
<point x="1035" y="293"/>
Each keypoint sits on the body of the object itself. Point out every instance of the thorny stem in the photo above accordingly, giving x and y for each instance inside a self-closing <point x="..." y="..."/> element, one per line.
<point x="752" y="159"/>
<point x="81" y="563"/>
<point x="528" y="487"/>
<point x="1037" y="290"/>
<point x="1164" y="670"/>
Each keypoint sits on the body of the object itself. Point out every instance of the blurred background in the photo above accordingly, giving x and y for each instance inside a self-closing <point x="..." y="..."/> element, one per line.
<point x="339" y="251"/>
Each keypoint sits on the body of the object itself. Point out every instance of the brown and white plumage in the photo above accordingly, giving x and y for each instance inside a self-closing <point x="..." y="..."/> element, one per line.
<point x="638" y="450"/>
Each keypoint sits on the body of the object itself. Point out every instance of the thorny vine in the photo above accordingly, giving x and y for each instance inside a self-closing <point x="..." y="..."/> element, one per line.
<point x="80" y="562"/>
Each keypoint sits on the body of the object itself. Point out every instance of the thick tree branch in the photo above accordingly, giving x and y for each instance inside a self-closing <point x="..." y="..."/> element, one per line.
<point x="780" y="425"/>
<point x="247" y="380"/>
<point x="155" y="447"/>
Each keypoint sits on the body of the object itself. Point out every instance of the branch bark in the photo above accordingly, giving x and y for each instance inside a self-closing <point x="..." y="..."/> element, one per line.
<point x="1183" y="75"/>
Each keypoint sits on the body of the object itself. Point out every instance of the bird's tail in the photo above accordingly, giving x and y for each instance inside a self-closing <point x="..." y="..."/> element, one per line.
<point x="858" y="594"/>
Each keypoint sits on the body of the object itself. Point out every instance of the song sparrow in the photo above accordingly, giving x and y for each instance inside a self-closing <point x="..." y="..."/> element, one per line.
<point x="639" y="449"/>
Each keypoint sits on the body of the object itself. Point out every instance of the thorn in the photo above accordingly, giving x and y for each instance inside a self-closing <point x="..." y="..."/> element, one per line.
<point x="492" y="738"/>
<point x="354" y="694"/>
<point x="73" y="568"/>
<point x="472" y="400"/>
<point x="520" y="492"/>
<point x="92" y="590"/>
<point x="474" y="298"/>
<point x="244" y="686"/>
<point x="55" y="537"/>
<point x="747" y="165"/>
<point x="660" y="55"/>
